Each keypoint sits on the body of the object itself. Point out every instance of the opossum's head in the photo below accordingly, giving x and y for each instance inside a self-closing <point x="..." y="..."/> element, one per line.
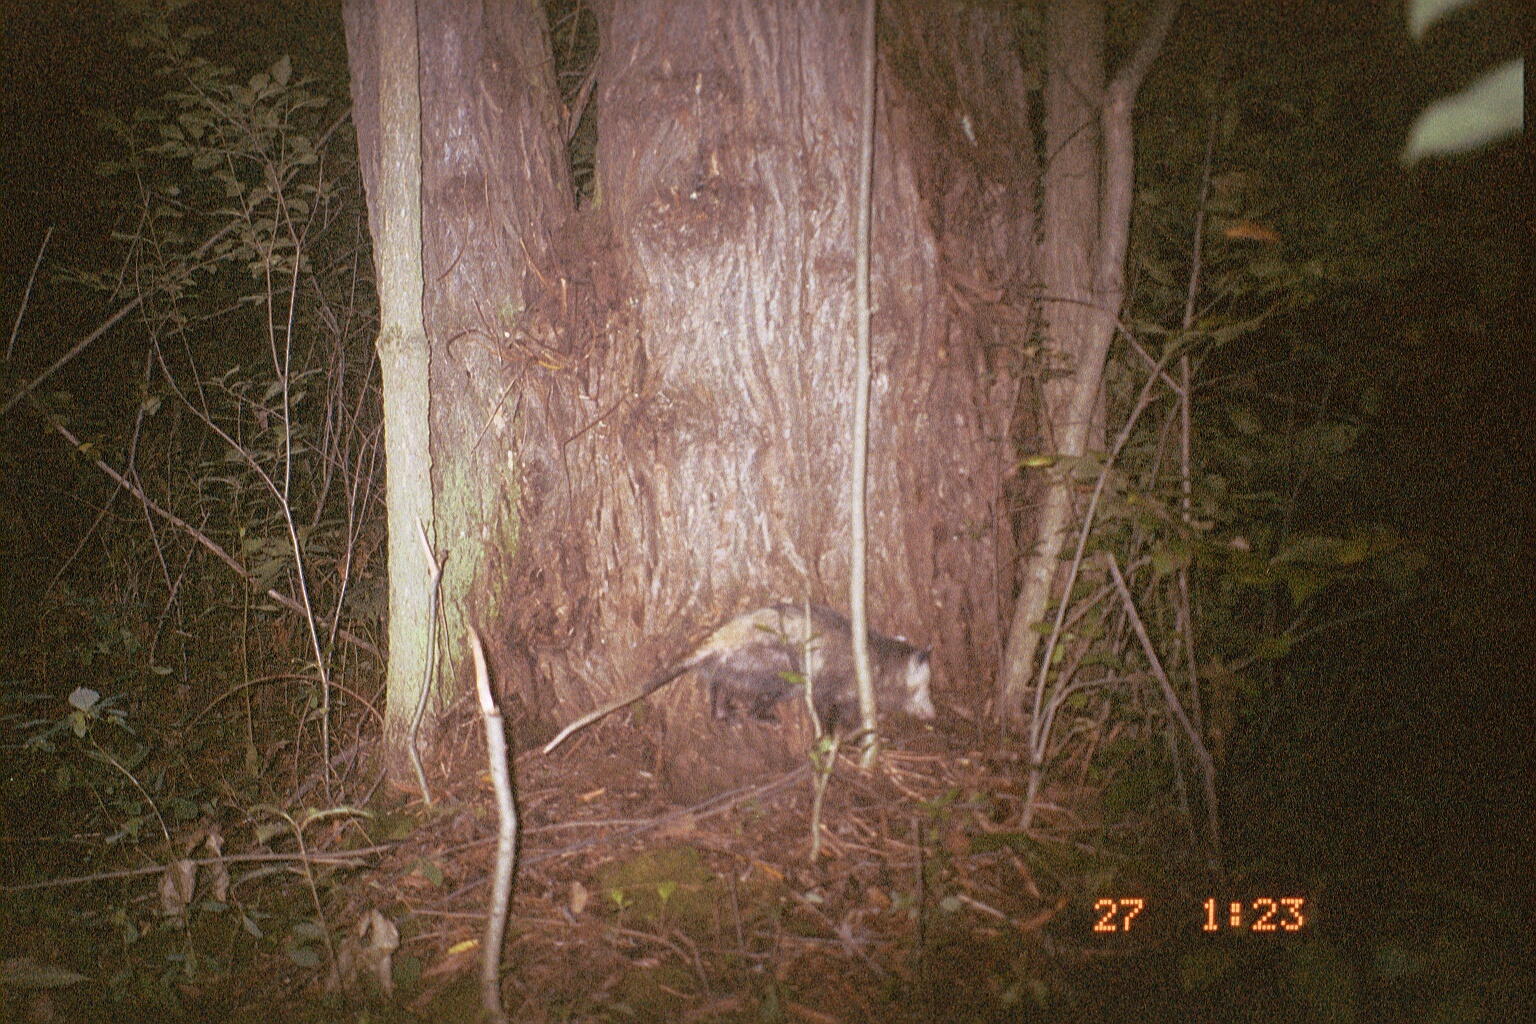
<point x="919" y="695"/>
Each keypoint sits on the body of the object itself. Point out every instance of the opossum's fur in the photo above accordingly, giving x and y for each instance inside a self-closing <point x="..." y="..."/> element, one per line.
<point x="756" y="660"/>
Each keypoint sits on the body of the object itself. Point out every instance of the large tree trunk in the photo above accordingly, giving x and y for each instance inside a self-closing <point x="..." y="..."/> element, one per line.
<point x="494" y="192"/>
<point x="641" y="424"/>
<point x="699" y="465"/>
<point x="493" y="186"/>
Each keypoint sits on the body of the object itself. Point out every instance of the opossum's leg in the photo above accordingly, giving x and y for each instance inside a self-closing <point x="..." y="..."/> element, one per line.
<point x="725" y="698"/>
<point x="719" y="703"/>
<point x="763" y="705"/>
<point x="836" y="713"/>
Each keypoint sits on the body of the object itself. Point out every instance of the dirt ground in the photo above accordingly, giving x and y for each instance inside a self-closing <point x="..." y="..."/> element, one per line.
<point x="630" y="908"/>
<point x="924" y="904"/>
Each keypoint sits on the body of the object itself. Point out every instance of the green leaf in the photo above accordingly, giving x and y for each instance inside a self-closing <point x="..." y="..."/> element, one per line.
<point x="303" y="956"/>
<point x="1313" y="549"/>
<point x="431" y="872"/>
<point x="84" y="698"/>
<point x="24" y="972"/>
<point x="1491" y="108"/>
<point x="1367" y="544"/>
<point x="1424" y="13"/>
<point x="1244" y="420"/>
<point x="307" y="931"/>
<point x="1303" y="582"/>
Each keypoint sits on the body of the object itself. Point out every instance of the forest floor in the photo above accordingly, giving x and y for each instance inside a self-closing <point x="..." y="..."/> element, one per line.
<point x="928" y="902"/>
<point x="925" y="903"/>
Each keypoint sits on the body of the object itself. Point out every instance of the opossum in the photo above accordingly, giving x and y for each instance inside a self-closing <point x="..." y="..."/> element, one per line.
<point x="756" y="660"/>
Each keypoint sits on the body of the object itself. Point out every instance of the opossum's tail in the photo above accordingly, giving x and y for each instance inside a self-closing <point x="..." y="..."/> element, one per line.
<point x="732" y="634"/>
<point x="623" y="702"/>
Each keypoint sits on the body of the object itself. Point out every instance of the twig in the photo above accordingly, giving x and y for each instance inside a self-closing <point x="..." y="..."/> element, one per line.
<point x="859" y="471"/>
<point x="305" y="861"/>
<point x="741" y="945"/>
<point x="1207" y="767"/>
<point x="115" y="763"/>
<point x="10" y="347"/>
<point x="698" y="962"/>
<point x="345" y="859"/>
<point x="1041" y="722"/>
<point x="917" y="945"/>
<point x="192" y="531"/>
<point x="137" y="492"/>
<point x="344" y="634"/>
<point x="111" y="322"/>
<point x="364" y="701"/>
<point x="506" y="836"/>
<point x="674" y="947"/>
<point x="718" y="804"/>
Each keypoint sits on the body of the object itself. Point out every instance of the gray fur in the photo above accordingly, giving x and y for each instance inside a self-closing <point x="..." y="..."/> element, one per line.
<point x="755" y="660"/>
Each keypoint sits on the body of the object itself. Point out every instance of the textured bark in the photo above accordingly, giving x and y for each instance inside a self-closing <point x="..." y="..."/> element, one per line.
<point x="381" y="45"/>
<point x="698" y="465"/>
<point x="493" y="187"/>
<point x="1074" y="96"/>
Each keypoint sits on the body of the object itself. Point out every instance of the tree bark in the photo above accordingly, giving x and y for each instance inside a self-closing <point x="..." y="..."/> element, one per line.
<point x="640" y="420"/>
<point x="1088" y="191"/>
<point x="382" y="48"/>
<point x="1074" y="92"/>
<point x="703" y="468"/>
<point x="493" y="187"/>
<point x="494" y="191"/>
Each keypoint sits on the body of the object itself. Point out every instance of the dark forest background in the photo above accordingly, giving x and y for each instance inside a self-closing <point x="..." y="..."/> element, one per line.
<point x="1386" y="763"/>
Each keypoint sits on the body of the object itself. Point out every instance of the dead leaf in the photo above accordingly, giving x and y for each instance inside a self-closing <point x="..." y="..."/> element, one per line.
<point x="177" y="884"/>
<point x="1249" y="231"/>
<point x="217" y="874"/>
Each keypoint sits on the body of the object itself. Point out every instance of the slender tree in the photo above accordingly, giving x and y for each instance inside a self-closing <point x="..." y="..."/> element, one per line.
<point x="492" y="185"/>
<point x="382" y="40"/>
<point x="1089" y="181"/>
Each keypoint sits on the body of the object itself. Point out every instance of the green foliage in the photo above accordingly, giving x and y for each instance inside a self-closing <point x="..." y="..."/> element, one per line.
<point x="248" y="423"/>
<point x="1491" y="108"/>
<point x="671" y="884"/>
<point x="1247" y="536"/>
<point x="249" y="251"/>
<point x="90" y="750"/>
